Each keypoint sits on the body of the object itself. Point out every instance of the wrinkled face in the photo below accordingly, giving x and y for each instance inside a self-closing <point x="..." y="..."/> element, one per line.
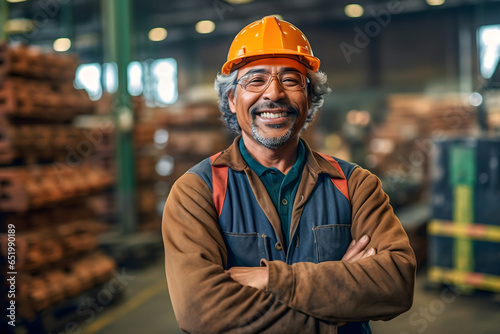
<point x="275" y="115"/>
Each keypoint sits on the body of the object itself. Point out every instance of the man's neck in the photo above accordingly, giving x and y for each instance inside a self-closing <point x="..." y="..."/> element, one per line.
<point x="282" y="158"/>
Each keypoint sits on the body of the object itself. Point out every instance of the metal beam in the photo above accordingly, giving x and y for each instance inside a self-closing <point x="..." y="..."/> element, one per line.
<point x="67" y="21"/>
<point x="117" y="43"/>
<point x="4" y="16"/>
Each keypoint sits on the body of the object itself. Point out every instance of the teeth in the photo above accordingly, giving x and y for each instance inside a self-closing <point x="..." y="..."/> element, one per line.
<point x="273" y="115"/>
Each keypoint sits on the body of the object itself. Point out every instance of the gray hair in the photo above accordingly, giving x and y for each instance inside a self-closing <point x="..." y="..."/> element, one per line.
<point x="224" y="84"/>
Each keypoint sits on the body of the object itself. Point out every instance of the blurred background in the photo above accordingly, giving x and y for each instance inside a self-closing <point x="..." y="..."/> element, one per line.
<point x="105" y="103"/>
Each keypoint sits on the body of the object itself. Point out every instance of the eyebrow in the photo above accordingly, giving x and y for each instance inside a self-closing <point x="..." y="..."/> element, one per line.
<point x="284" y="69"/>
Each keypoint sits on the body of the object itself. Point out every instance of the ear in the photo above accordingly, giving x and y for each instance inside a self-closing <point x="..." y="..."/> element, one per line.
<point x="232" y="101"/>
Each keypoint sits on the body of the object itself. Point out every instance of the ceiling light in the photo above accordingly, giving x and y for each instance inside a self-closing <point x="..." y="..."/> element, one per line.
<point x="238" y="2"/>
<point x="157" y="34"/>
<point x="19" y="26"/>
<point x="62" y="44"/>
<point x="475" y="99"/>
<point x="205" y="27"/>
<point x="14" y="1"/>
<point x="435" y="2"/>
<point x="354" y="10"/>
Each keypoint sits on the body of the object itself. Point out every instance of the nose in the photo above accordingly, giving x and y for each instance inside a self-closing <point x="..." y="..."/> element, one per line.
<point x="274" y="91"/>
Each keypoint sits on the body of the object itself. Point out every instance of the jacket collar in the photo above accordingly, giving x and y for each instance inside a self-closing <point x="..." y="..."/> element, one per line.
<point x="232" y="158"/>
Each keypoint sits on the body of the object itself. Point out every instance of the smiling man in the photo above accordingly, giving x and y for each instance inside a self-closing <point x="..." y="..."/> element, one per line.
<point x="269" y="236"/>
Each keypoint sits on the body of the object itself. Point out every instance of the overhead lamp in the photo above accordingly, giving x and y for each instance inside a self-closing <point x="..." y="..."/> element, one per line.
<point x="15" y="1"/>
<point x="19" y="26"/>
<point x="475" y="99"/>
<point x="157" y="34"/>
<point x="435" y="2"/>
<point x="238" y="2"/>
<point x="62" y="44"/>
<point x="354" y="10"/>
<point x="205" y="27"/>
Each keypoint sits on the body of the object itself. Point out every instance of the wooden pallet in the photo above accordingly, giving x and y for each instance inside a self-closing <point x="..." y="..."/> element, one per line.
<point x="31" y="62"/>
<point x="24" y="188"/>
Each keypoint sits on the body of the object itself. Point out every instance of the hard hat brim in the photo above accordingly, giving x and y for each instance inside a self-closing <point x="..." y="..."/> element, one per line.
<point x="310" y="62"/>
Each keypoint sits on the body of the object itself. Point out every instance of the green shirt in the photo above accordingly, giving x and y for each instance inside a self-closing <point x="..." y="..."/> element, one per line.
<point x="281" y="188"/>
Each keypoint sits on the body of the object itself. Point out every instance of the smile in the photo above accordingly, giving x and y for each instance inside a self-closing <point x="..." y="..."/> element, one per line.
<point x="273" y="115"/>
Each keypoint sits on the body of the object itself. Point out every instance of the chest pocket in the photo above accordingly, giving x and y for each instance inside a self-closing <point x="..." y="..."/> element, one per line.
<point x="331" y="241"/>
<point x="245" y="249"/>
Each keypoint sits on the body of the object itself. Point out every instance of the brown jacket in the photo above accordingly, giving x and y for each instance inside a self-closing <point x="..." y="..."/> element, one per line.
<point x="300" y="298"/>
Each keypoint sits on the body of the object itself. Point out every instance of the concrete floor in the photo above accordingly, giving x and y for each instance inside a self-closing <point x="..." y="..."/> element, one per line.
<point x="146" y="309"/>
<point x="444" y="310"/>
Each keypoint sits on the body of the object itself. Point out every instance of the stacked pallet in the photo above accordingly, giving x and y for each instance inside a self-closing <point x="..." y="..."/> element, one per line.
<point x="146" y="155"/>
<point x="37" y="103"/>
<point x="401" y="146"/>
<point x="28" y="188"/>
<point x="56" y="258"/>
<point x="492" y="106"/>
<point x="48" y="235"/>
<point x="194" y="132"/>
<point x="464" y="235"/>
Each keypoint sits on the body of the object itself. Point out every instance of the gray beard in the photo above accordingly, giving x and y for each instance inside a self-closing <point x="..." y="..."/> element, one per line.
<point x="272" y="143"/>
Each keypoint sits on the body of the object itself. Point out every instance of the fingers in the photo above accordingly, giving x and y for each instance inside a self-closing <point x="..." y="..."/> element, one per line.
<point x="256" y="277"/>
<point x="366" y="253"/>
<point x="355" y="248"/>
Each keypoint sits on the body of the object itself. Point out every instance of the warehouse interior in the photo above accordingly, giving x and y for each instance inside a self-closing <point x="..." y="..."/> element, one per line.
<point x="105" y="103"/>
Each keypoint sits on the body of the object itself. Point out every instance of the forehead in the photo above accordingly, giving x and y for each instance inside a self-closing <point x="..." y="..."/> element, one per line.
<point x="273" y="64"/>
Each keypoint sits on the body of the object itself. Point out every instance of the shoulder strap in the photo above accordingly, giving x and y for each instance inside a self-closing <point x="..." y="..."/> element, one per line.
<point x="340" y="184"/>
<point x="219" y="183"/>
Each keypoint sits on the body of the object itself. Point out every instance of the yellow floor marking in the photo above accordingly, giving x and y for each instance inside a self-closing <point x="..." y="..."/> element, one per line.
<point x="125" y="308"/>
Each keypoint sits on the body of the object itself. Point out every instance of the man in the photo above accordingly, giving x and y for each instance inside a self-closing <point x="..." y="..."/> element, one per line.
<point x="269" y="236"/>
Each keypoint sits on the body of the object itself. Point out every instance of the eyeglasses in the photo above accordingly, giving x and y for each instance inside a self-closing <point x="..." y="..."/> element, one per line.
<point x="259" y="81"/>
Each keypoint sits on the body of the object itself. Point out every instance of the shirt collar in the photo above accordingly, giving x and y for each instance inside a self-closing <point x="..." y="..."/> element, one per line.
<point x="232" y="158"/>
<point x="260" y="169"/>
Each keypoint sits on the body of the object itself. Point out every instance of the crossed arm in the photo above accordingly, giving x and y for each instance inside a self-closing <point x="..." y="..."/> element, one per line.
<point x="257" y="277"/>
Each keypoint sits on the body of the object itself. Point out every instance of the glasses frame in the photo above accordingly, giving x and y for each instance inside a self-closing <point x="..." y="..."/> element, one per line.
<point x="305" y="79"/>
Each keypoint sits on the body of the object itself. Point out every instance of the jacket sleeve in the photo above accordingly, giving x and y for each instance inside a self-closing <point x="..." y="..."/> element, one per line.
<point x="205" y="299"/>
<point x="379" y="287"/>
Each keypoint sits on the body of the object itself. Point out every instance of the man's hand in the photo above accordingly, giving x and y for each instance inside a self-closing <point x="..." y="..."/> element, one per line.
<point x="256" y="277"/>
<point x="356" y="250"/>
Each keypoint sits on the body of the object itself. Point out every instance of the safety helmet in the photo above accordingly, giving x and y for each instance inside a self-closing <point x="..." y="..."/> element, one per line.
<point x="269" y="37"/>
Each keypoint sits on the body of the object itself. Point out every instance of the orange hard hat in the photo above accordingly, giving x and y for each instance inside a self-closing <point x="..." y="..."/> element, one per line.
<point x="269" y="37"/>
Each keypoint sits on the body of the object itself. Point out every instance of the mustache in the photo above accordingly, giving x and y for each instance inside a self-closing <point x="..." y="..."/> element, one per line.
<point x="273" y="105"/>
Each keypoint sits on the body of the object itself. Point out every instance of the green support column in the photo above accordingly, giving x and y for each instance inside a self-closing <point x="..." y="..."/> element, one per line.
<point x="67" y="21"/>
<point x="4" y="16"/>
<point x="117" y="43"/>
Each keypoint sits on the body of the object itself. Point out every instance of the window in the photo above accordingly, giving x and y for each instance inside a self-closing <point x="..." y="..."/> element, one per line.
<point x="489" y="49"/>
<point x="88" y="77"/>
<point x="156" y="80"/>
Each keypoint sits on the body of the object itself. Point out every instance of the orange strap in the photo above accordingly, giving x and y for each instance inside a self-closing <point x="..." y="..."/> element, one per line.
<point x="220" y="174"/>
<point x="341" y="184"/>
<point x="219" y="183"/>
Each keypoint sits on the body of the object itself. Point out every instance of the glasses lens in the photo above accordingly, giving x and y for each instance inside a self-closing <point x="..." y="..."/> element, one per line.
<point x="291" y="80"/>
<point x="255" y="82"/>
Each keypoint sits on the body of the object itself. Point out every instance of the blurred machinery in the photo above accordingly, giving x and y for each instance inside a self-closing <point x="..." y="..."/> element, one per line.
<point x="464" y="234"/>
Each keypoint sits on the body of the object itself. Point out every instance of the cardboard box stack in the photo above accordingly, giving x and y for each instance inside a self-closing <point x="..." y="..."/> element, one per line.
<point x="401" y="146"/>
